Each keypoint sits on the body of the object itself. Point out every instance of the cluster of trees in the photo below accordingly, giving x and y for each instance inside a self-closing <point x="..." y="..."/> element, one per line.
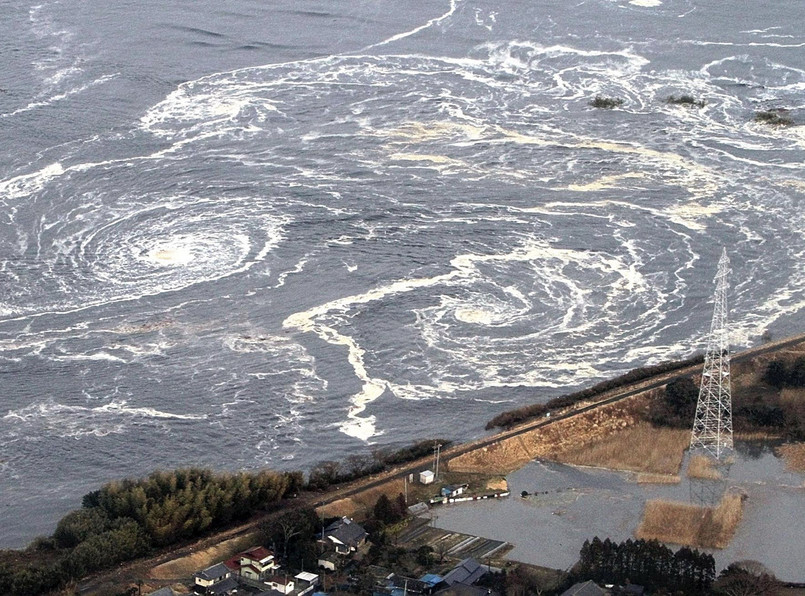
<point x="181" y="504"/>
<point x="677" y="407"/>
<point x="780" y="373"/>
<point x="126" y="519"/>
<point x="390" y="512"/>
<point x="746" y="578"/>
<point x="327" y="473"/>
<point x="513" y="417"/>
<point x="292" y="534"/>
<point x="648" y="563"/>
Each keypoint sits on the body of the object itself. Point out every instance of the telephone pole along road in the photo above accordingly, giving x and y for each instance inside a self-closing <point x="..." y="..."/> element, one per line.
<point x="133" y="571"/>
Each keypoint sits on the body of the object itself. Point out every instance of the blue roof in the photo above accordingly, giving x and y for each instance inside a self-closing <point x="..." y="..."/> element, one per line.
<point x="431" y="579"/>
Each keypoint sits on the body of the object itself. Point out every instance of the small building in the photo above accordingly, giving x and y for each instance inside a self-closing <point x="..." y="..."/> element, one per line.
<point x="284" y="585"/>
<point x="329" y="560"/>
<point x="306" y="581"/>
<point x="426" y="477"/>
<point x="453" y="490"/>
<point x="210" y="576"/>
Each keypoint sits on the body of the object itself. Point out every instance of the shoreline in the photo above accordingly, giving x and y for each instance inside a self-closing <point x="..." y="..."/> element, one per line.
<point x="512" y="448"/>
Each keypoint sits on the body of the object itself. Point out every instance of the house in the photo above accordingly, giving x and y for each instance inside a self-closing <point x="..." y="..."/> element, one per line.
<point x="210" y="576"/>
<point x="256" y="563"/>
<point x="281" y="584"/>
<point x="426" y="477"/>
<point x="588" y="588"/>
<point x="453" y="490"/>
<point x="345" y="535"/>
<point x="467" y="572"/>
<point x="224" y="587"/>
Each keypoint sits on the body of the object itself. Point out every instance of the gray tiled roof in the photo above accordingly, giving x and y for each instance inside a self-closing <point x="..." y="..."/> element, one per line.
<point x="346" y="531"/>
<point x="214" y="572"/>
<point x="223" y="587"/>
<point x="468" y="572"/>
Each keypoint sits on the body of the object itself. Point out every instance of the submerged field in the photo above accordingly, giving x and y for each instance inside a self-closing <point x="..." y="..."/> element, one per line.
<point x="568" y="504"/>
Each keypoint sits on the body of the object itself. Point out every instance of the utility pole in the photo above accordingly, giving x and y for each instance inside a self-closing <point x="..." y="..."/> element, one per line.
<point x="437" y="447"/>
<point x="712" y="426"/>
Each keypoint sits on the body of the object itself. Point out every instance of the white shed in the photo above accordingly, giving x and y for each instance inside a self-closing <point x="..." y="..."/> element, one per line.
<point x="426" y="477"/>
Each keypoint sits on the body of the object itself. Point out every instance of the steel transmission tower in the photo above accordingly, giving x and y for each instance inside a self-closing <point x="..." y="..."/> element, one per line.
<point x="712" y="427"/>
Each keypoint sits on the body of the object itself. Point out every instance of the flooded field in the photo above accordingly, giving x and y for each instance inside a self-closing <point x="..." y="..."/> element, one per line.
<point x="567" y="505"/>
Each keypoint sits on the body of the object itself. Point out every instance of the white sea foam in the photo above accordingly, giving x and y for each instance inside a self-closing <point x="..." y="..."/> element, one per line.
<point x="434" y="21"/>
<point x="571" y="309"/>
<point x="115" y="417"/>
<point x="25" y="185"/>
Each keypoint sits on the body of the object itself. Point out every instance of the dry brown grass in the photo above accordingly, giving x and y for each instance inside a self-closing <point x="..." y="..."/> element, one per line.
<point x="641" y="448"/>
<point x="792" y="395"/>
<point x="497" y="484"/>
<point x="658" y="479"/>
<point x="793" y="455"/>
<point x="701" y="466"/>
<point x="691" y="525"/>
<point x="361" y="503"/>
<point x="512" y="453"/>
<point x="188" y="565"/>
<point x="339" y="508"/>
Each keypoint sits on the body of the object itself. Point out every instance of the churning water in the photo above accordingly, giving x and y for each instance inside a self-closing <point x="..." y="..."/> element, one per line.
<point x="251" y="234"/>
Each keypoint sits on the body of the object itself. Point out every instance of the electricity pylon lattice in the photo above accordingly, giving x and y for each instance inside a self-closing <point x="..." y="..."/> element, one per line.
<point x="712" y="427"/>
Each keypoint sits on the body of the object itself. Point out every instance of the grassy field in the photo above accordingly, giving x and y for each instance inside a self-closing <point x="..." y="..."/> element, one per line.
<point x="640" y="448"/>
<point x="691" y="525"/>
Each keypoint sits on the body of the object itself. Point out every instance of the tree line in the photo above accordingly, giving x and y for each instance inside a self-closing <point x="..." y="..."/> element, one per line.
<point x="127" y="519"/>
<point x="512" y="417"/>
<point x="646" y="562"/>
